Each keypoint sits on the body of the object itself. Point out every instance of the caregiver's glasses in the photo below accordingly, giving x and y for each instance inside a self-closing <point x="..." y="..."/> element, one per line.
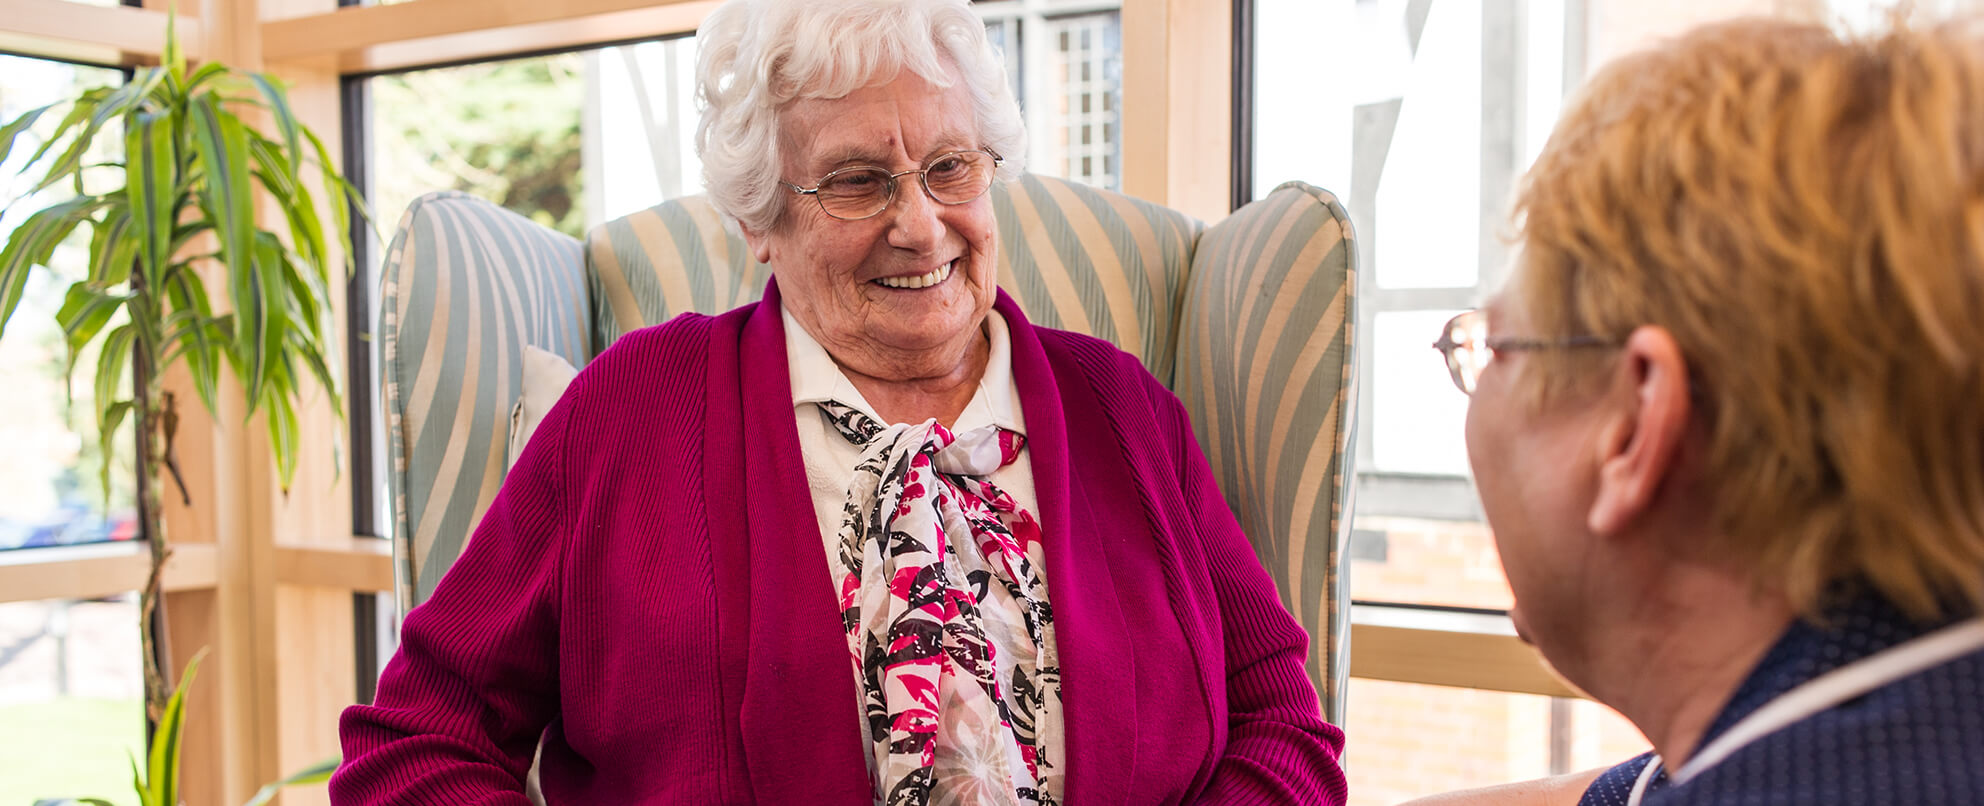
<point x="1468" y="348"/>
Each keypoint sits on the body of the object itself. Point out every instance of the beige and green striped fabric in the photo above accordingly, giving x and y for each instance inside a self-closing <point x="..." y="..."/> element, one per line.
<point x="1264" y="367"/>
<point x="465" y="286"/>
<point x="1075" y="258"/>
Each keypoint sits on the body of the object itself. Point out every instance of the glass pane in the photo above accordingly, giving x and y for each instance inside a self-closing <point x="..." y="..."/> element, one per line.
<point x="51" y="484"/>
<point x="504" y="131"/>
<point x="1418" y="414"/>
<point x="1430" y="194"/>
<point x="1083" y="77"/>
<point x="1424" y="561"/>
<point x="644" y="128"/>
<point x="71" y="699"/>
<point x="1410" y="740"/>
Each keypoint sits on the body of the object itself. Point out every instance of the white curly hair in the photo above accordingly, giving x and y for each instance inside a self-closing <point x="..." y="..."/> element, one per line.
<point x="758" y="56"/>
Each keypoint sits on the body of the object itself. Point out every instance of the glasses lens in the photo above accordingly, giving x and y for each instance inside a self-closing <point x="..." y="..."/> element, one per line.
<point x="1467" y="334"/>
<point x="959" y="178"/>
<point x="856" y="192"/>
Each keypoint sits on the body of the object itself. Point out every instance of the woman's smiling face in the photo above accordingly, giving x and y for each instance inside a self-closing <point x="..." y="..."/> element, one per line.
<point x="900" y="295"/>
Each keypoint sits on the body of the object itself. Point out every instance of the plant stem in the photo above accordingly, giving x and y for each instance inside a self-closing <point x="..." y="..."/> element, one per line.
<point x="146" y="398"/>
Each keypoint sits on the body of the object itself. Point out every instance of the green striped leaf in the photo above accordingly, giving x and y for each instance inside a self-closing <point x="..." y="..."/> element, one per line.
<point x="79" y="111"/>
<point x="314" y="774"/>
<point x="319" y="365"/>
<point x="113" y="247"/>
<point x="197" y="334"/>
<point x="271" y="299"/>
<point x="164" y="760"/>
<point x="285" y="118"/>
<point x="175" y="59"/>
<point x="84" y="313"/>
<point x="138" y="783"/>
<point x="202" y="75"/>
<point x="151" y="158"/>
<point x="14" y="128"/>
<point x="118" y="103"/>
<point x="108" y="421"/>
<point x="227" y="198"/>
<point x="112" y="370"/>
<point x="279" y="176"/>
<point x="283" y="430"/>
<point x="30" y="245"/>
<point x="340" y="194"/>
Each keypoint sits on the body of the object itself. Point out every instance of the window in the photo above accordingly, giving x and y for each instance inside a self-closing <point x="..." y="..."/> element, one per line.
<point x="51" y="488"/>
<point x="1065" y="58"/>
<point x="71" y="695"/>
<point x="1409" y="741"/>
<point x="70" y="679"/>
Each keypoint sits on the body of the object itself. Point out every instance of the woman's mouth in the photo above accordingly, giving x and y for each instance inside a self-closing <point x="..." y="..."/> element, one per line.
<point x="925" y="280"/>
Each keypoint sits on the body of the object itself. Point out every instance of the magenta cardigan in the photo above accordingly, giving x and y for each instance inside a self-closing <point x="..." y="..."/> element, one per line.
<point x="673" y="636"/>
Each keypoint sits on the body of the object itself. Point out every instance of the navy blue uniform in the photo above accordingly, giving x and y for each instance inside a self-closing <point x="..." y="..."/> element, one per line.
<point x="1917" y="740"/>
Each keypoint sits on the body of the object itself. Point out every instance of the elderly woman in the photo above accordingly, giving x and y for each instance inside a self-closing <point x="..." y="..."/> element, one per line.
<point x="1730" y="439"/>
<point x="872" y="539"/>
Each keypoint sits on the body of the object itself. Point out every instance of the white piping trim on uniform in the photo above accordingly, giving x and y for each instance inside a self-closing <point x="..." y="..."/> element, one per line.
<point x="1645" y="780"/>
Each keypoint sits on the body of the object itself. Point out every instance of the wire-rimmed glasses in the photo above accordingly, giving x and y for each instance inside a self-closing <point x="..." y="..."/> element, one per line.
<point x="1468" y="348"/>
<point x="852" y="194"/>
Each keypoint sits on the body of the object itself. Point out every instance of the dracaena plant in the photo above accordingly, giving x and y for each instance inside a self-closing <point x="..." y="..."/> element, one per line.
<point x="206" y="248"/>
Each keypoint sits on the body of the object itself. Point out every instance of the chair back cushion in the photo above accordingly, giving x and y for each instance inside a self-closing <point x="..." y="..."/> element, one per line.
<point x="1264" y="367"/>
<point x="1075" y="257"/>
<point x="464" y="287"/>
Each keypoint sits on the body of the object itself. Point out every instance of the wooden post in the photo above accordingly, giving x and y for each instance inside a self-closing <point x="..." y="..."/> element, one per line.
<point x="280" y="670"/>
<point x="1178" y="104"/>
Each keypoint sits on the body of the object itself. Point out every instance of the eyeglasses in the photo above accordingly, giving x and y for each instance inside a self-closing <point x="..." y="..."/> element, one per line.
<point x="852" y="194"/>
<point x="1468" y="349"/>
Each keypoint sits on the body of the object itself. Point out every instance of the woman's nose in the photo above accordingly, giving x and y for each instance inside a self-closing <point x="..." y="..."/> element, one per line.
<point x="917" y="221"/>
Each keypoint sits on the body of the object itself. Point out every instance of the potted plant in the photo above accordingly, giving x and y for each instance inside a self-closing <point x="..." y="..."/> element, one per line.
<point x="179" y="228"/>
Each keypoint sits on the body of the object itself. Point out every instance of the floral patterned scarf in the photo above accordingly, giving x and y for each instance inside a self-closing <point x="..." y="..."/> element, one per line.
<point x="940" y="572"/>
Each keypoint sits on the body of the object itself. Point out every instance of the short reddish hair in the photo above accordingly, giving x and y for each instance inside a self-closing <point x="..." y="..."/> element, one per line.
<point x="1804" y="212"/>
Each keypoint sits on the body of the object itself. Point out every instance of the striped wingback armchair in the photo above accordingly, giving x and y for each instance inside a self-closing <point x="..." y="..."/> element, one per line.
<point x="1248" y="321"/>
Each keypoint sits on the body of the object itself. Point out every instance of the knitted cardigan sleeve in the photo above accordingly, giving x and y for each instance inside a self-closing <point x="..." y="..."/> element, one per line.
<point x="1278" y="748"/>
<point x="462" y="703"/>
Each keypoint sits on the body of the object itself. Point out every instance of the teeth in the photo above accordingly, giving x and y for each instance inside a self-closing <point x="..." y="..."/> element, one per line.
<point x="937" y="275"/>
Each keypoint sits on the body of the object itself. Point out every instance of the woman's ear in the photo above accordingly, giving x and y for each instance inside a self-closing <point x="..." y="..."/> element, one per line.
<point x="1640" y="443"/>
<point x="760" y="242"/>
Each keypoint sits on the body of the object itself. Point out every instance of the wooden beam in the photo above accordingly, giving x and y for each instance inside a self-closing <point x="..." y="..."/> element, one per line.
<point x="118" y="35"/>
<point x="1488" y="661"/>
<point x="364" y="565"/>
<point x="352" y="31"/>
<point x="600" y="29"/>
<point x="1178" y="104"/>
<point x="93" y="572"/>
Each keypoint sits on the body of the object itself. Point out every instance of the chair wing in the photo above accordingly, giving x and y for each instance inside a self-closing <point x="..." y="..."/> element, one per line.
<point x="465" y="286"/>
<point x="1074" y="257"/>
<point x="1265" y="368"/>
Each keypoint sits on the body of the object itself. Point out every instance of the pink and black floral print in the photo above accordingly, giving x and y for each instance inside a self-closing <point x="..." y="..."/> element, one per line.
<point x="947" y="618"/>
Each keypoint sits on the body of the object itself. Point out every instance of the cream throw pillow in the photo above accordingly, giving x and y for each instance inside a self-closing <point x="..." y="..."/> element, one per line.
<point x="546" y="375"/>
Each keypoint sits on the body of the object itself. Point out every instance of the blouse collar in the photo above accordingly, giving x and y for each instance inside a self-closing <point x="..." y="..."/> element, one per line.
<point x="816" y="378"/>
